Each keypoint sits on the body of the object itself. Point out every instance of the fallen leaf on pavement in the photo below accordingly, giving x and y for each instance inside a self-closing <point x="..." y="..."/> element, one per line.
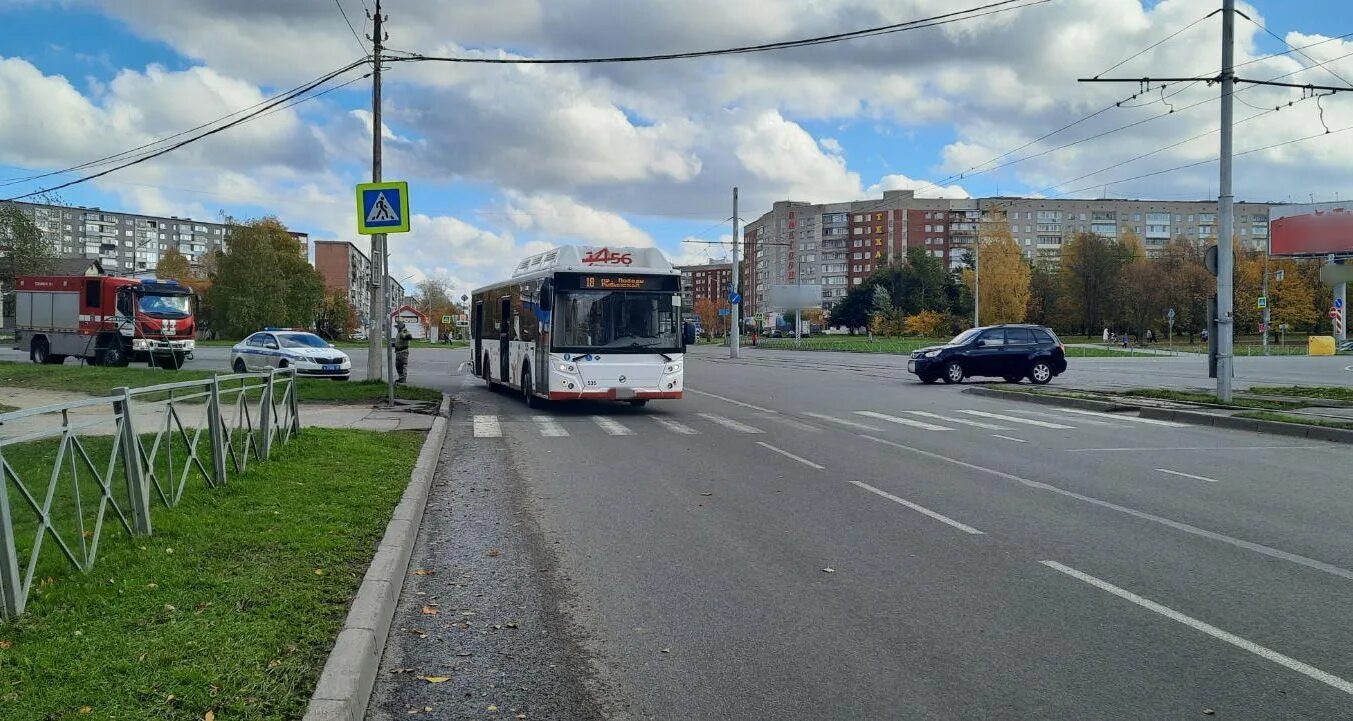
<point x="493" y="708"/>
<point x="829" y="570"/>
<point x="494" y="552"/>
<point x="434" y="679"/>
<point x="422" y="572"/>
<point x="430" y="611"/>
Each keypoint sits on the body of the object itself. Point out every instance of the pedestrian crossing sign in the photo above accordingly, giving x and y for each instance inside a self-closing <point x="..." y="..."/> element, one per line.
<point x="383" y="208"/>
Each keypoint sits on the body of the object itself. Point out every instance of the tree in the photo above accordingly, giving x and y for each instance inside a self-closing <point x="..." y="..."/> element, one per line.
<point x="173" y="265"/>
<point x="432" y="295"/>
<point x="337" y="318"/>
<point x="1004" y="289"/>
<point x="262" y="280"/>
<point x="1045" y="296"/>
<point x="1091" y="272"/>
<point x="24" y="249"/>
<point x="853" y="310"/>
<point x="707" y="310"/>
<point x="927" y="323"/>
<point x="916" y="284"/>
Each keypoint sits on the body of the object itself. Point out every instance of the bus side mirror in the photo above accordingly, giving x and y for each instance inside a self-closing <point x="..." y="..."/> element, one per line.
<point x="546" y="296"/>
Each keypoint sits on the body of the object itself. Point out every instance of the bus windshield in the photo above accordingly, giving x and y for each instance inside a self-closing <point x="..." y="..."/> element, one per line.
<point x="619" y="321"/>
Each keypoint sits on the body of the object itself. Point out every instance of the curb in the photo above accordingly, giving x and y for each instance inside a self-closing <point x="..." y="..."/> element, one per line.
<point x="1050" y="400"/>
<point x="1297" y="430"/>
<point x="345" y="684"/>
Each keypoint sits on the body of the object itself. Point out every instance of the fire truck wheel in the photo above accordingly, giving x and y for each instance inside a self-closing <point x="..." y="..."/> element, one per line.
<point x="113" y="354"/>
<point x="40" y="353"/>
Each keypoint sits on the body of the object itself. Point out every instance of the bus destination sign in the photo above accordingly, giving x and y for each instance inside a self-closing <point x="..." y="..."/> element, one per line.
<point x="622" y="282"/>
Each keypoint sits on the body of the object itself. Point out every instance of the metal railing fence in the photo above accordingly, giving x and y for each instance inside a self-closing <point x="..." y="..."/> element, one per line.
<point x="63" y="474"/>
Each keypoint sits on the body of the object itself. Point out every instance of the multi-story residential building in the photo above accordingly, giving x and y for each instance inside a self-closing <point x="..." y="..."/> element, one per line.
<point x="128" y="243"/>
<point x="711" y="281"/>
<point x="838" y="245"/>
<point x="347" y="270"/>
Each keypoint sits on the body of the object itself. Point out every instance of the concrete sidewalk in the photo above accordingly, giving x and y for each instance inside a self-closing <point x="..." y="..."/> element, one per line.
<point x="150" y="417"/>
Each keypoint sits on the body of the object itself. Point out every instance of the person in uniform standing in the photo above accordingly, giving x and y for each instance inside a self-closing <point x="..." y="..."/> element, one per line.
<point x="402" y="339"/>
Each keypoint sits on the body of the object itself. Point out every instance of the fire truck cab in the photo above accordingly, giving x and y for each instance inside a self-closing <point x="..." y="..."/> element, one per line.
<point x="105" y="320"/>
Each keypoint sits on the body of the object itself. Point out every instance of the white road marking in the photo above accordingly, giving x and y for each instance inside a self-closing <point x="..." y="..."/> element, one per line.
<point x="1130" y="419"/>
<point x="729" y="423"/>
<point x="904" y="421"/>
<point x="612" y="426"/>
<point x="787" y="454"/>
<point x="549" y="427"/>
<point x="919" y="509"/>
<point x="796" y="424"/>
<point x="978" y="424"/>
<point x="1008" y="438"/>
<point x="1199" y="448"/>
<point x="487" y="427"/>
<point x="1304" y="669"/>
<point x="1017" y="419"/>
<point x="730" y="400"/>
<point x="844" y="422"/>
<point x="1178" y="526"/>
<point x="1188" y="475"/>
<point x="675" y="426"/>
<point x="1090" y="421"/>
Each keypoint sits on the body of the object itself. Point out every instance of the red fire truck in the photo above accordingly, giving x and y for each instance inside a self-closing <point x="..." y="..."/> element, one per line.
<point x="105" y="320"/>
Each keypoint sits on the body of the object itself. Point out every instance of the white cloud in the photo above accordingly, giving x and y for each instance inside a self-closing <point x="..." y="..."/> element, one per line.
<point x="923" y="189"/>
<point x="777" y="150"/>
<point x="557" y="216"/>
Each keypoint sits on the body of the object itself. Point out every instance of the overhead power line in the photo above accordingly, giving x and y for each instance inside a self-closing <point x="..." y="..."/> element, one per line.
<point x="932" y="21"/>
<point x="270" y="107"/>
<point x="1298" y="51"/>
<point x="1156" y="44"/>
<point x="355" y="36"/>
<point x="107" y="159"/>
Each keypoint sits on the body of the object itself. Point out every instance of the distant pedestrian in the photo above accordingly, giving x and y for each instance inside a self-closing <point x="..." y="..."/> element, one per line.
<point x="1125" y="340"/>
<point x="402" y="352"/>
<point x="1150" y="336"/>
<point x="1106" y="336"/>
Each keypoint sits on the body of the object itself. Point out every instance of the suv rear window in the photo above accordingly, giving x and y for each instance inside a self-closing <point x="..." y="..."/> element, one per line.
<point x="1019" y="336"/>
<point x="1043" y="336"/>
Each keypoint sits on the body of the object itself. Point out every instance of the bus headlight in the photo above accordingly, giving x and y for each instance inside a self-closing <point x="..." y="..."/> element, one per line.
<point x="672" y="368"/>
<point x="568" y="368"/>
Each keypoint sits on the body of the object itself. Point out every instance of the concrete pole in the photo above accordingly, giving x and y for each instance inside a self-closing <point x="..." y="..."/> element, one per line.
<point x="376" y="334"/>
<point x="1225" y="210"/>
<point x="735" y="309"/>
<point x="1341" y="300"/>
<point x="977" y="280"/>
<point x="1266" y="302"/>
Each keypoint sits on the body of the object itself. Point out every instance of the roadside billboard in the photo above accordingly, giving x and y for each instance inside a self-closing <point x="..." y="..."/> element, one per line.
<point x="795" y="297"/>
<point x="1310" y="230"/>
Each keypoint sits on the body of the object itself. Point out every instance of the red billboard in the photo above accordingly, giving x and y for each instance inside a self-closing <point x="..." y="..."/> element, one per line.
<point x="1310" y="230"/>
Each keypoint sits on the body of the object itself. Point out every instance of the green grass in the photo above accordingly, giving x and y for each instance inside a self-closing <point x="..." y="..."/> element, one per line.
<point x="1338" y="393"/>
<point x="97" y="380"/>
<point x="1082" y="352"/>
<point x="1206" y="398"/>
<point x="1289" y="418"/>
<point x="222" y="609"/>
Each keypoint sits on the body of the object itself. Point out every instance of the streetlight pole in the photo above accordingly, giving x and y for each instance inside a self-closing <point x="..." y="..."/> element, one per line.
<point x="1225" y="209"/>
<point x="735" y="309"/>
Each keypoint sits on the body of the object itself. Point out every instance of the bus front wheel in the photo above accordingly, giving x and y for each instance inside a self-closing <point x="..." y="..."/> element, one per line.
<point x="528" y="388"/>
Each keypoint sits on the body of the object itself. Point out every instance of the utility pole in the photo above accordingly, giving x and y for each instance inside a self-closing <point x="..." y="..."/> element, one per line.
<point x="1225" y="209"/>
<point x="1264" y="292"/>
<point x="977" y="281"/>
<point x="735" y="309"/>
<point x="375" y="352"/>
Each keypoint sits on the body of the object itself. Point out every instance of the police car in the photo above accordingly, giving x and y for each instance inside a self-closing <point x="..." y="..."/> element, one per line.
<point x="308" y="353"/>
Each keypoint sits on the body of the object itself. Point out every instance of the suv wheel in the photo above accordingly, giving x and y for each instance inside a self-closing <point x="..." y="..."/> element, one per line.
<point x="953" y="373"/>
<point x="1040" y="372"/>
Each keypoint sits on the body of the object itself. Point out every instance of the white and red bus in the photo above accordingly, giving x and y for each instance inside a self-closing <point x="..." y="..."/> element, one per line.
<point x="577" y="323"/>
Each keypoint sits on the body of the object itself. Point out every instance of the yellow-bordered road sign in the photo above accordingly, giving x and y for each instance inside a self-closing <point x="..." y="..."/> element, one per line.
<point x="383" y="207"/>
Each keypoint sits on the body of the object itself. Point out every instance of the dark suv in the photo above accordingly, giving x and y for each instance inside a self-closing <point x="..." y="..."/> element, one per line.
<point x="1011" y="352"/>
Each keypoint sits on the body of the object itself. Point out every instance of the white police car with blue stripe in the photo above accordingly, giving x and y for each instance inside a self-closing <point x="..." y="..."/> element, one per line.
<point x="308" y="353"/>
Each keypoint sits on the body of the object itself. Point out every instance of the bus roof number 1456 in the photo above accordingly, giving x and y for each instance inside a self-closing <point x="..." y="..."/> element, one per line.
<point x="604" y="256"/>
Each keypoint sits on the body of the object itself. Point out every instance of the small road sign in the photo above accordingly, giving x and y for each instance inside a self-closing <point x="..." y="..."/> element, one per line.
<point x="735" y="297"/>
<point x="1338" y="302"/>
<point x="725" y="311"/>
<point x="382" y="208"/>
<point x="1278" y="275"/>
<point x="1262" y="302"/>
<point x="446" y="319"/>
<point x="1170" y="314"/>
<point x="464" y="297"/>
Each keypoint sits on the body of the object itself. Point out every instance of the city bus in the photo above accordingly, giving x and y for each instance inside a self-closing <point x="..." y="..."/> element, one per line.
<point x="582" y="323"/>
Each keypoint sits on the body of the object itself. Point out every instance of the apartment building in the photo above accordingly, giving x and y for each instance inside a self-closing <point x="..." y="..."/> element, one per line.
<point x="838" y="245"/>
<point x="347" y="270"/>
<point x="128" y="243"/>
<point x="710" y="281"/>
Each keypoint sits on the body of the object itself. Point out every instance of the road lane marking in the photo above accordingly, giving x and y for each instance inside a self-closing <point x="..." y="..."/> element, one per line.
<point x="549" y="427"/>
<point x="1188" y="475"/>
<point x="798" y="425"/>
<point x="730" y="400"/>
<point x="978" y="424"/>
<point x="1009" y="438"/>
<point x="843" y="422"/>
<point x="1129" y="419"/>
<point x="675" y="426"/>
<point x="1200" y="448"/>
<point x="904" y="421"/>
<point x="1304" y="669"/>
<point x="729" y="423"/>
<point x="612" y="426"/>
<point x="1054" y="416"/>
<point x="1177" y="525"/>
<point x="487" y="427"/>
<point x="787" y="454"/>
<point x="919" y="509"/>
<point x="1017" y="419"/>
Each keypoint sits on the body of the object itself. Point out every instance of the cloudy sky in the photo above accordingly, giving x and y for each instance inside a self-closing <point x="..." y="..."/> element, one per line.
<point x="505" y="159"/>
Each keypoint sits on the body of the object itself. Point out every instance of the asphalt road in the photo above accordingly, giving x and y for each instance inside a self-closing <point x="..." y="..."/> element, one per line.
<point x="813" y="537"/>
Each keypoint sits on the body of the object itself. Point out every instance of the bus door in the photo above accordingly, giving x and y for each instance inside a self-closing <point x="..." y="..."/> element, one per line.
<point x="477" y="331"/>
<point x="504" y="335"/>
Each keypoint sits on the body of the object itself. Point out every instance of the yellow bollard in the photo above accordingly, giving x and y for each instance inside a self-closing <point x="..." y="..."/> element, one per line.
<point x="1320" y="345"/>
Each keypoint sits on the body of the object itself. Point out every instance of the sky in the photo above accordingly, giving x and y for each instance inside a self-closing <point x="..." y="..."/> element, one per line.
<point x="505" y="160"/>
